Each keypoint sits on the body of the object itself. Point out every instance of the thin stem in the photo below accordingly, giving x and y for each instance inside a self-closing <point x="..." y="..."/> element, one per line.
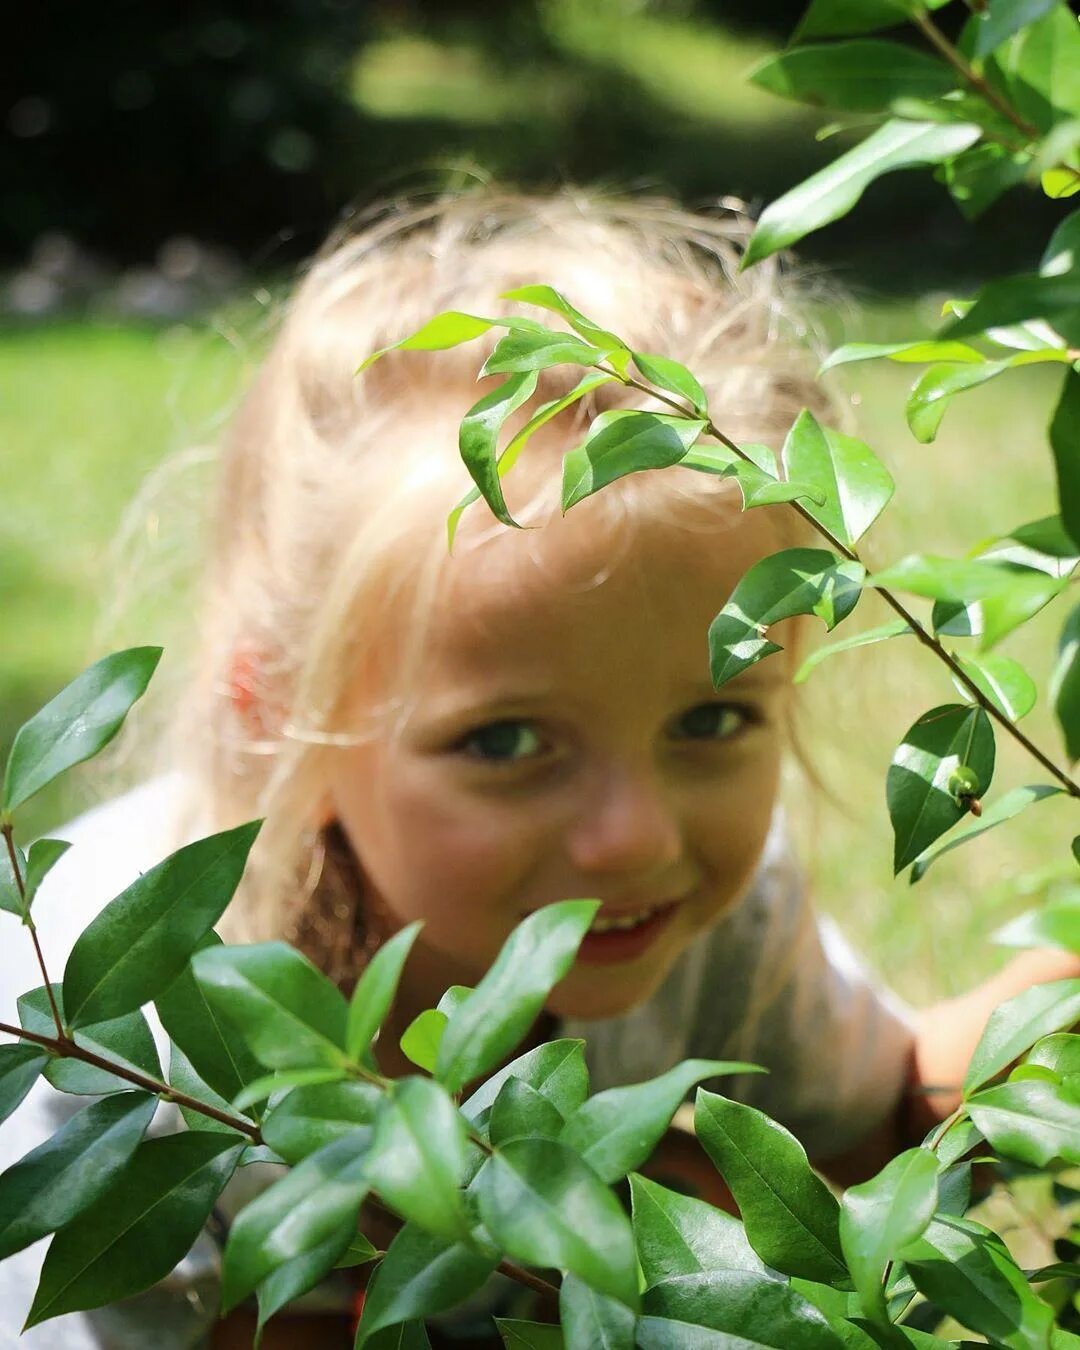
<point x="66" y="1048"/>
<point x="7" y="832"/>
<point x="971" y="76"/>
<point x="927" y="639"/>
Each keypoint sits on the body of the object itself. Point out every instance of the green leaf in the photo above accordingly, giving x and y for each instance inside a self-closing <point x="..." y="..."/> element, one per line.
<point x="1065" y="442"/>
<point x="81" y="720"/>
<point x="933" y="391"/>
<point x="10" y="896"/>
<point x="546" y="297"/>
<point x="831" y="192"/>
<point x="960" y="1138"/>
<point x="1032" y="1121"/>
<point x="897" y="628"/>
<point x="544" y="413"/>
<point x="294" y="1278"/>
<point x="520" y="1335"/>
<point x="375" y="990"/>
<point x="20" y="1068"/>
<point x="141" y="941"/>
<point x="617" y="1130"/>
<point x="855" y="484"/>
<point x="438" y="334"/>
<point x="136" y="1233"/>
<point x="1007" y="595"/>
<point x="1038" y="69"/>
<point x="479" y="435"/>
<point x="284" y="1080"/>
<point x="123" y="1040"/>
<point x="900" y="351"/>
<point x="211" y="1044"/>
<point x="422" y="1038"/>
<point x="65" y="1175"/>
<point x="556" y="1070"/>
<point x="671" y="375"/>
<point x="1054" y="924"/>
<point x="183" y="1078"/>
<point x="305" y="1209"/>
<point x="861" y="76"/>
<point x="309" y="1118"/>
<point x="994" y="24"/>
<point x="750" y="1310"/>
<point x="922" y="787"/>
<point x="1047" y="536"/>
<point x="676" y="1235"/>
<point x="967" y="1271"/>
<point x="794" y="581"/>
<point x="1002" y="680"/>
<point x="506" y="1002"/>
<point x="43" y="856"/>
<point x="358" y="1252"/>
<point x="829" y="18"/>
<point x="542" y="1204"/>
<point x="405" y="1336"/>
<point x="289" y="1013"/>
<point x="591" y="1319"/>
<point x="883" y="1215"/>
<point x="1015" y="299"/>
<point x="623" y="441"/>
<point x="1062" y="253"/>
<point x="519" y="1111"/>
<point x="421" y="1275"/>
<point x="1015" y="1026"/>
<point x="417" y="1158"/>
<point x="1005" y="808"/>
<point x="757" y="477"/>
<point x="537" y="350"/>
<point x="791" y="1217"/>
<point x="979" y="176"/>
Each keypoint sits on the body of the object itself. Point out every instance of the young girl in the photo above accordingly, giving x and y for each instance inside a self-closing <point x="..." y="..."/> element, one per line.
<point x="463" y="737"/>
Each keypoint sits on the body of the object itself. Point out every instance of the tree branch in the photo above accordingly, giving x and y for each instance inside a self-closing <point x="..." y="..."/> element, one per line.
<point x="7" y="831"/>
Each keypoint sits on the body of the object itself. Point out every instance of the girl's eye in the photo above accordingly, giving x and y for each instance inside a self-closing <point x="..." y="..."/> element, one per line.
<point x="502" y="742"/>
<point x="713" y="721"/>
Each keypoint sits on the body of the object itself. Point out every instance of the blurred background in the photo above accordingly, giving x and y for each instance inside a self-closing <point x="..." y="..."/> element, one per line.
<point x="164" y="171"/>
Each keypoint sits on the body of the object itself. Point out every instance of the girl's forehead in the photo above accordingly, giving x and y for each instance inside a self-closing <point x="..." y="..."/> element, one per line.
<point x="590" y="565"/>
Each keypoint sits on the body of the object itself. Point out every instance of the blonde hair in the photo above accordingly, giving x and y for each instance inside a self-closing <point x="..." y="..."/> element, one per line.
<point x="331" y="499"/>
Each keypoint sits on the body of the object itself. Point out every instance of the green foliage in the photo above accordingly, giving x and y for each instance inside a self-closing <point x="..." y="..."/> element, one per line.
<point x="79" y="722"/>
<point x="794" y="581"/>
<point x="944" y="762"/>
<point x="141" y="941"/>
<point x="791" y="1217"/>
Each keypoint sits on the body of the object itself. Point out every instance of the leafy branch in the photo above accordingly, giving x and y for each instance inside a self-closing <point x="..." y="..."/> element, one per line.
<point x="927" y="639"/>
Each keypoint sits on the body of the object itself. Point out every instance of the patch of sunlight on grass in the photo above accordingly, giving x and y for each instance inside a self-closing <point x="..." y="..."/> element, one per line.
<point x="407" y="76"/>
<point x="691" y="67"/>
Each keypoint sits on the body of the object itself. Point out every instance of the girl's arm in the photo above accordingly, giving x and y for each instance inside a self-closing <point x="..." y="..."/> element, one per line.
<point x="946" y="1035"/>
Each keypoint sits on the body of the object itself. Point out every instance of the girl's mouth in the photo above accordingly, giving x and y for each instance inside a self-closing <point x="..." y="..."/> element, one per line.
<point x="622" y="937"/>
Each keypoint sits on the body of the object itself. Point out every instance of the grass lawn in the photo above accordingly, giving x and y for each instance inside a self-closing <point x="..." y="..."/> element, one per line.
<point x="91" y="408"/>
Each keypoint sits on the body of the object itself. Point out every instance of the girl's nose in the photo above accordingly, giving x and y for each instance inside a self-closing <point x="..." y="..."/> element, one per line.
<point x="626" y="824"/>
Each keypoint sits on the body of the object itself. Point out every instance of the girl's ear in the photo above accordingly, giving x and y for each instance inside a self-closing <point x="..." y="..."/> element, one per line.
<point x="249" y="693"/>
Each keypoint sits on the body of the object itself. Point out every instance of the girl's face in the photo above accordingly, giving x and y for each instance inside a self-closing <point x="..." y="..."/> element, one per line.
<point x="564" y="741"/>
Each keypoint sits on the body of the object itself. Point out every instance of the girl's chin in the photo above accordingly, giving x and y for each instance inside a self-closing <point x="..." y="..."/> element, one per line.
<point x="591" y="993"/>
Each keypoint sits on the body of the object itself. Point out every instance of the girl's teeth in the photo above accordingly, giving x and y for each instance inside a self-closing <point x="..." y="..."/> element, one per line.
<point x="623" y="922"/>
